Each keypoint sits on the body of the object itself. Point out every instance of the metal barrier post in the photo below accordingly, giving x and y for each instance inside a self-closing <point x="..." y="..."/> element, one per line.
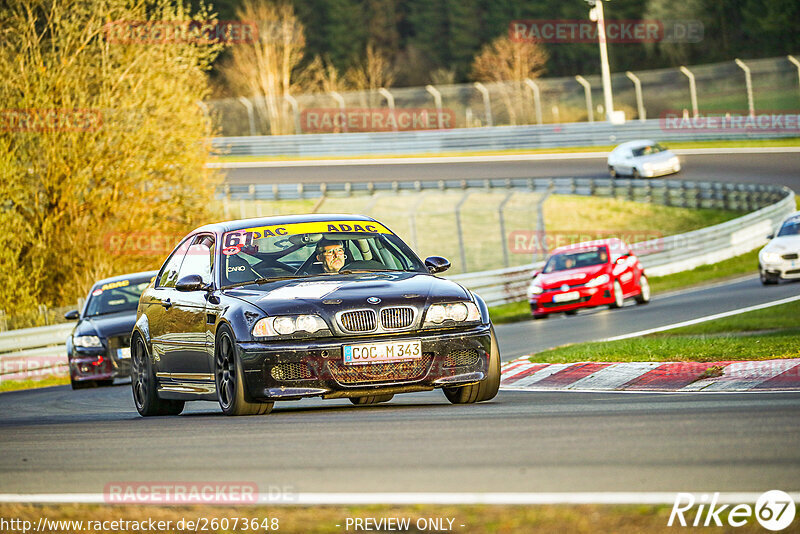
<point x="339" y="100"/>
<point x="390" y="101"/>
<point x="412" y="220"/>
<point x="749" y="84"/>
<point x="293" y="102"/>
<point x="503" y="227"/>
<point x="587" y="88"/>
<point x="540" y="218"/>
<point x="460" y="233"/>
<point x="537" y="99"/>
<point x="637" y="85"/>
<point x="692" y="89"/>
<point x="487" y="104"/>
<point x="250" y="116"/>
<point x="437" y="101"/>
<point x="796" y="63"/>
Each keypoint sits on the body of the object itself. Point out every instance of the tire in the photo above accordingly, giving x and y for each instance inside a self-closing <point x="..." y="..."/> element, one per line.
<point x="484" y="390"/>
<point x="644" y="296"/>
<point x="612" y="172"/>
<point x="80" y="384"/>
<point x="144" y="386"/>
<point x="636" y="174"/>
<point x="229" y="379"/>
<point x="540" y="316"/>
<point x="619" y="298"/>
<point x="371" y="399"/>
<point x="571" y="312"/>
<point x="766" y="279"/>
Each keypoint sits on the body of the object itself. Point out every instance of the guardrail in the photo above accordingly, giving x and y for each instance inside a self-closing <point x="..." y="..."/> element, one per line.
<point x="486" y="138"/>
<point x="32" y="353"/>
<point x="676" y="253"/>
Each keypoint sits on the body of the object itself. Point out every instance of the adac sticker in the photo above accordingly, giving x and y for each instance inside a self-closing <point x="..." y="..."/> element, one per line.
<point x="112" y="285"/>
<point x="318" y="227"/>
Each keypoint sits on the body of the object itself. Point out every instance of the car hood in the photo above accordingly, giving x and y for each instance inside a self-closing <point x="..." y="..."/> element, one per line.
<point x="788" y="243"/>
<point x="331" y="293"/>
<point x="571" y="277"/>
<point x="110" y="325"/>
<point x="659" y="157"/>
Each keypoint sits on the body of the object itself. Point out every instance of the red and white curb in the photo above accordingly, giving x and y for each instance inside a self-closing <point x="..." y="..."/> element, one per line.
<point x="766" y="375"/>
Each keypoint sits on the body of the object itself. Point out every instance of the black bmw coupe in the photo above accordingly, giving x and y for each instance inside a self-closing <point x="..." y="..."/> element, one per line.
<point x="254" y="311"/>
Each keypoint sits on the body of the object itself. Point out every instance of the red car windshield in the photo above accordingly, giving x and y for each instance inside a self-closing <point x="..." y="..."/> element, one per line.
<point x="576" y="260"/>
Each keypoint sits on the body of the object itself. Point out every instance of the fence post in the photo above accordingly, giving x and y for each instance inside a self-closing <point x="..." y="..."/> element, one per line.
<point x="339" y="100"/>
<point x="587" y="89"/>
<point x="537" y="99"/>
<point x="487" y="104"/>
<point x="250" y="115"/>
<point x="540" y="218"/>
<point x="796" y="63"/>
<point x="748" y="80"/>
<point x="461" y="233"/>
<point x="692" y="89"/>
<point x="412" y="221"/>
<point x="503" y="227"/>
<point x="437" y="101"/>
<point x="637" y="85"/>
<point x="390" y="101"/>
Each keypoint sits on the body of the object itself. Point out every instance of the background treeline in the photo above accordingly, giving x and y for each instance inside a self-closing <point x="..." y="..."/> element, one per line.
<point x="436" y="40"/>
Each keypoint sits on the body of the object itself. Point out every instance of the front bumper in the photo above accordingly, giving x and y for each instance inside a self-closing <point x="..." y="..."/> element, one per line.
<point x="298" y="368"/>
<point x="785" y="269"/>
<point x="90" y="363"/>
<point x="661" y="171"/>
<point x="587" y="297"/>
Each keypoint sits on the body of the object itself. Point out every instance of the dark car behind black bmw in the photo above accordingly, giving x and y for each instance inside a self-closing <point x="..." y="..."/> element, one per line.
<point x="99" y="347"/>
<point x="254" y="311"/>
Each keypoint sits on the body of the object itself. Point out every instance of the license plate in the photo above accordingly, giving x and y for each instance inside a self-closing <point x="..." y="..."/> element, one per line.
<point x="400" y="351"/>
<point x="566" y="297"/>
<point x="124" y="353"/>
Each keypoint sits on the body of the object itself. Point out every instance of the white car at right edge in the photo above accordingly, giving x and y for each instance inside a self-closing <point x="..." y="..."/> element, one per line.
<point x="780" y="259"/>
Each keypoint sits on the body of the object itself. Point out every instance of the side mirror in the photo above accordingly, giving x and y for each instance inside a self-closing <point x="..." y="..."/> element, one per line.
<point x="535" y="274"/>
<point x="190" y="282"/>
<point x="771" y="236"/>
<point x="72" y="315"/>
<point x="437" y="264"/>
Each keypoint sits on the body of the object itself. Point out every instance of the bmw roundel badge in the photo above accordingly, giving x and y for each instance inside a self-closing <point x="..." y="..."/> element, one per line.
<point x="373" y="300"/>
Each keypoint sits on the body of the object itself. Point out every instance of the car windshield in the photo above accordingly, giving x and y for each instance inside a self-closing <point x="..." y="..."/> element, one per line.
<point x="790" y="227"/>
<point x="575" y="260"/>
<point x="299" y="250"/>
<point x="113" y="297"/>
<point x="648" y="150"/>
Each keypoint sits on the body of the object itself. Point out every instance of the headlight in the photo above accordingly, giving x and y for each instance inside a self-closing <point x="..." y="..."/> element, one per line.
<point x="284" y="325"/>
<point x="86" y="341"/>
<point x="598" y="281"/>
<point x="457" y="312"/>
<point x="770" y="257"/>
<point x="534" y="289"/>
<point x="674" y="160"/>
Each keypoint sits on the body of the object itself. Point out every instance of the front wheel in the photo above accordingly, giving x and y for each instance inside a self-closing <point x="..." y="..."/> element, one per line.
<point x="612" y="171"/>
<point x="484" y="390"/>
<point x="144" y="387"/>
<point x="644" y="291"/>
<point x="636" y="175"/>
<point x="766" y="279"/>
<point x="619" y="297"/>
<point x="229" y="379"/>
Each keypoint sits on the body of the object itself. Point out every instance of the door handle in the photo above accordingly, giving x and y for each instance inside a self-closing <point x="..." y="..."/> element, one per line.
<point x="167" y="304"/>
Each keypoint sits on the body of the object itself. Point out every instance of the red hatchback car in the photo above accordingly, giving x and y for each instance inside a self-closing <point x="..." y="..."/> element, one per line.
<point x="585" y="275"/>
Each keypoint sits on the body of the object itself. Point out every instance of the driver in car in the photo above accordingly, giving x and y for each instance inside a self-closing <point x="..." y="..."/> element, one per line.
<point x="331" y="255"/>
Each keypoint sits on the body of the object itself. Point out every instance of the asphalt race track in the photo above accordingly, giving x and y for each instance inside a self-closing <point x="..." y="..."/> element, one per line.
<point x="56" y="440"/>
<point x="773" y="168"/>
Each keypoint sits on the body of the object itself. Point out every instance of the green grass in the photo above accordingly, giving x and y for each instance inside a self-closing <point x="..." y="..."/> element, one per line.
<point x="766" y="334"/>
<point x="737" y="143"/>
<point x="14" y="385"/>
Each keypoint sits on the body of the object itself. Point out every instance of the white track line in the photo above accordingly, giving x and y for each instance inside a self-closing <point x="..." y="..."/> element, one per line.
<point x="539" y="375"/>
<point x="705" y="319"/>
<point x="350" y="499"/>
<point x="400" y="160"/>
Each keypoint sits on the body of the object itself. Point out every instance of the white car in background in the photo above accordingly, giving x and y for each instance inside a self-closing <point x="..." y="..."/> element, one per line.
<point x="642" y="159"/>
<point x="780" y="259"/>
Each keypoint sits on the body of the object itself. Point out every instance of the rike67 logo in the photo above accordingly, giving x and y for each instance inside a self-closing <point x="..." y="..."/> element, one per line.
<point x="774" y="510"/>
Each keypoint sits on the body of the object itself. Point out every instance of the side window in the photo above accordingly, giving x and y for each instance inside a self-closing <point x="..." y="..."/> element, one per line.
<point x="169" y="272"/>
<point x="199" y="259"/>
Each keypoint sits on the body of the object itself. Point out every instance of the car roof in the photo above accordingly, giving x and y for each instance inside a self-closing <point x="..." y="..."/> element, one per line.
<point x="611" y="242"/>
<point x="791" y="216"/>
<point x="143" y="274"/>
<point x="240" y="224"/>
<point x="636" y="143"/>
